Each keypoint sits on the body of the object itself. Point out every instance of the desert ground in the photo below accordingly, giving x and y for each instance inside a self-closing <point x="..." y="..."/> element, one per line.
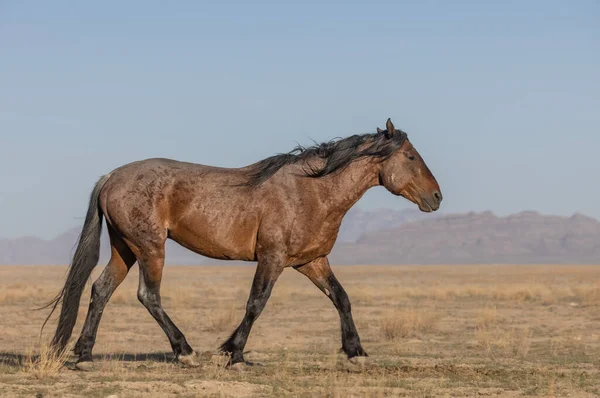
<point x="430" y="331"/>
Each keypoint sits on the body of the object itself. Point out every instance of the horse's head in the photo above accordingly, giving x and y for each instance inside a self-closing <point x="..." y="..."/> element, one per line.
<point x="405" y="173"/>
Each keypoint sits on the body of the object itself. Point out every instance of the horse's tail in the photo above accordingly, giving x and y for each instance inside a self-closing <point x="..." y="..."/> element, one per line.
<point x="84" y="260"/>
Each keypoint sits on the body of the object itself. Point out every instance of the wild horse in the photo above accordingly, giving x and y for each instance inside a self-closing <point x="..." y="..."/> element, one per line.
<point x="284" y="211"/>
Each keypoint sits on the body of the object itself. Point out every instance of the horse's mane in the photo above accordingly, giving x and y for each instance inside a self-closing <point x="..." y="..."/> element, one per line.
<point x="337" y="154"/>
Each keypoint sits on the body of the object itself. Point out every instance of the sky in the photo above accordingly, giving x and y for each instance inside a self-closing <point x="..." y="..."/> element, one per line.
<point x="502" y="99"/>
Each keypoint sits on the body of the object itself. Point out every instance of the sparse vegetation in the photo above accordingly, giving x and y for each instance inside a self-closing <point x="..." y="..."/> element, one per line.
<point x="497" y="342"/>
<point x="223" y="319"/>
<point x="47" y="362"/>
<point x="429" y="331"/>
<point x="408" y="323"/>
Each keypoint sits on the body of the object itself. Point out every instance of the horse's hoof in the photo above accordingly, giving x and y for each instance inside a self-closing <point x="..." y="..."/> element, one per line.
<point x="190" y="360"/>
<point x="360" y="361"/>
<point x="356" y="364"/>
<point x="239" y="367"/>
<point x="84" y="366"/>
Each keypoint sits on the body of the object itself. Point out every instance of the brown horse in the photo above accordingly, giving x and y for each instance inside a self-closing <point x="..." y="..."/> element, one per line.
<point x="284" y="211"/>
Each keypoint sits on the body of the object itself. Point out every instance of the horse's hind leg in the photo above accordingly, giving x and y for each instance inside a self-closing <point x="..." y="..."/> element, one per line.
<point x="149" y="295"/>
<point x="115" y="271"/>
<point x="320" y="273"/>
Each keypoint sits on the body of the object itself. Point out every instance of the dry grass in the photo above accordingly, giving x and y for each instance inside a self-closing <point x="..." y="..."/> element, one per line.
<point x="47" y="362"/>
<point x="487" y="317"/>
<point x="223" y="319"/>
<point x="408" y="323"/>
<point x="512" y="343"/>
<point x="429" y="331"/>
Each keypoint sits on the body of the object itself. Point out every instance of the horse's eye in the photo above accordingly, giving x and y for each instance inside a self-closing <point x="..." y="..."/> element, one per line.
<point x="411" y="157"/>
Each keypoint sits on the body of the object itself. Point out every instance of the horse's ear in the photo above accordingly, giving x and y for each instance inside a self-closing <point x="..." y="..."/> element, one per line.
<point x="379" y="131"/>
<point x="391" y="130"/>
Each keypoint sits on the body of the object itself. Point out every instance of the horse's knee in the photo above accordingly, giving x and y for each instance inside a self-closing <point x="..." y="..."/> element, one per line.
<point x="148" y="298"/>
<point x="99" y="290"/>
<point x="255" y="306"/>
<point x="144" y="297"/>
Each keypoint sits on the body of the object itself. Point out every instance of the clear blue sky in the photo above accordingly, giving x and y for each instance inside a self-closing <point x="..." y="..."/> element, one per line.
<point x="502" y="99"/>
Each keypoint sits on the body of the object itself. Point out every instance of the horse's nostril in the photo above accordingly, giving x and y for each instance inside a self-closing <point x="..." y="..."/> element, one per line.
<point x="438" y="196"/>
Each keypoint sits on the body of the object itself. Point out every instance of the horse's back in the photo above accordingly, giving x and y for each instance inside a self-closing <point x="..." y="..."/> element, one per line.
<point x="206" y="209"/>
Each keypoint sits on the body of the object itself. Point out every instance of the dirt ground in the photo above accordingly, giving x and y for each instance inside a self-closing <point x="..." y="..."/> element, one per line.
<point x="430" y="331"/>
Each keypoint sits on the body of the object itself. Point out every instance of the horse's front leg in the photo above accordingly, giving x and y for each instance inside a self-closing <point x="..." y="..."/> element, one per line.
<point x="320" y="273"/>
<point x="267" y="271"/>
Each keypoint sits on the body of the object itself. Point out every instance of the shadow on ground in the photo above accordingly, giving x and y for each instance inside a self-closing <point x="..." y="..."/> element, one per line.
<point x="15" y="360"/>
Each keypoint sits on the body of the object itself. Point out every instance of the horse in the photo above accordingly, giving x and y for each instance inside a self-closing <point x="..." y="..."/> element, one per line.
<point x="283" y="211"/>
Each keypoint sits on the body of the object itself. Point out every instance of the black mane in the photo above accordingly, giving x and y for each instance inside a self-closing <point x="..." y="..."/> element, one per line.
<point x="337" y="154"/>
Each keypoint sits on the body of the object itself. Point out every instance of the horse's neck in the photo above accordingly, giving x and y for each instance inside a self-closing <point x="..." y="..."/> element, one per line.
<point x="342" y="190"/>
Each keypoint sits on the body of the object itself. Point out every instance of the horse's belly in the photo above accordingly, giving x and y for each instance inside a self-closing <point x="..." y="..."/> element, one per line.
<point x="225" y="239"/>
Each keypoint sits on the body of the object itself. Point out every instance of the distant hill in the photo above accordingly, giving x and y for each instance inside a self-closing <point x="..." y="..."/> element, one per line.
<point x="358" y="222"/>
<point x="397" y="237"/>
<point x="479" y="238"/>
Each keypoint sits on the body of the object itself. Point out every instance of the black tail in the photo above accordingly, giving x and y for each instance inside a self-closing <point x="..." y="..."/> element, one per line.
<point x="84" y="260"/>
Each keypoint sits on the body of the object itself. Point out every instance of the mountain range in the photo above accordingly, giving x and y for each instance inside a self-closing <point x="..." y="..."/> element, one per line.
<point x="396" y="237"/>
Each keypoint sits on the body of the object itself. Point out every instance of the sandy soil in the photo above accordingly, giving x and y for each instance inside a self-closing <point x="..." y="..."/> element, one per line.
<point x="430" y="331"/>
